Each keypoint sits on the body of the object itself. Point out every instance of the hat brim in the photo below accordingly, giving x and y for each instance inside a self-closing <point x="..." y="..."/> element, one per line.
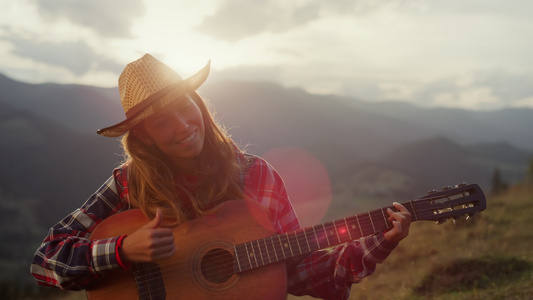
<point x="156" y="102"/>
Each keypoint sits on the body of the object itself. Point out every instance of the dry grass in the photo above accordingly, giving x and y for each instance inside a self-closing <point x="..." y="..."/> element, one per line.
<point x="486" y="257"/>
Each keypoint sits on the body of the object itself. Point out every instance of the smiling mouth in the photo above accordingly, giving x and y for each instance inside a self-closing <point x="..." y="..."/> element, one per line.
<point x="188" y="139"/>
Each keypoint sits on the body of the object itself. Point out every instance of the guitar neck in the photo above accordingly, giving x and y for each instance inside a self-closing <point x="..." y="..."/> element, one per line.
<point x="451" y="202"/>
<point x="261" y="252"/>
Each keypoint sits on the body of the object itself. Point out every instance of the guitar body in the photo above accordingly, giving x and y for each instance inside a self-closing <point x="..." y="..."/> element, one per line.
<point x="194" y="272"/>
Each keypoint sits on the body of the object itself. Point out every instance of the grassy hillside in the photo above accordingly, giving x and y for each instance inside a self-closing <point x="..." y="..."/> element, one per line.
<point x="489" y="256"/>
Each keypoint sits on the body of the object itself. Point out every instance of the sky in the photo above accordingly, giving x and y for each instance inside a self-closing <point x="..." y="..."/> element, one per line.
<point x="469" y="54"/>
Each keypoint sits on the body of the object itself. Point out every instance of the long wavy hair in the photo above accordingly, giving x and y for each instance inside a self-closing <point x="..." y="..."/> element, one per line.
<point x="153" y="185"/>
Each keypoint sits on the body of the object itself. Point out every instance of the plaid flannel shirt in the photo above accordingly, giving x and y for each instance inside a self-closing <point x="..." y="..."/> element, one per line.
<point x="69" y="260"/>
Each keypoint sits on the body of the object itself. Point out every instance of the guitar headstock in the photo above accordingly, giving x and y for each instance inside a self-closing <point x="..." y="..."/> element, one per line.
<point x="451" y="202"/>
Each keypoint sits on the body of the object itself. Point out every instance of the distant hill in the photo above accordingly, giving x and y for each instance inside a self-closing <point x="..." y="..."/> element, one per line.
<point x="52" y="127"/>
<point x="512" y="126"/>
<point x="46" y="161"/>
<point x="439" y="161"/>
<point x="343" y="133"/>
<point x="46" y="171"/>
<point x="248" y="107"/>
<point x="79" y="108"/>
<point x="267" y="116"/>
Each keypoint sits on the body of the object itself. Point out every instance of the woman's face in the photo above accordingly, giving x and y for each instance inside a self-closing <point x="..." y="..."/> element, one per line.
<point x="178" y="130"/>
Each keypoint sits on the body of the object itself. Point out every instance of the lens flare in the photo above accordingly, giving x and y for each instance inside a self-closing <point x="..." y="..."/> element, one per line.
<point x="307" y="182"/>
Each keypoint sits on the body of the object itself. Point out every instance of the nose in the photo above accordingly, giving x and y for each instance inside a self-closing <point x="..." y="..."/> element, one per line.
<point x="181" y="124"/>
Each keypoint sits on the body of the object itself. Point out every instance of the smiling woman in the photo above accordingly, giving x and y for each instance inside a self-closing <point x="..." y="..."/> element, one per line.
<point x="178" y="186"/>
<point x="178" y="130"/>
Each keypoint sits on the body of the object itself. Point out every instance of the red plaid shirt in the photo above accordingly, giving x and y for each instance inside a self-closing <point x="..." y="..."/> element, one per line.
<point x="69" y="260"/>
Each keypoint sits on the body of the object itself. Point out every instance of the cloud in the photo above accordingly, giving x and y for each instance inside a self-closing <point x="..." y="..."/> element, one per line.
<point x="526" y="102"/>
<point x="488" y="90"/>
<point x="237" y="19"/>
<point x="509" y="86"/>
<point x="251" y="73"/>
<point x="484" y="90"/>
<point x="107" y="18"/>
<point x="508" y="9"/>
<point x="473" y="98"/>
<point x="76" y="56"/>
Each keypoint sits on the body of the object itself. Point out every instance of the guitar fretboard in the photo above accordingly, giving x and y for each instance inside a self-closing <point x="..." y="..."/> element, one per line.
<point x="261" y="252"/>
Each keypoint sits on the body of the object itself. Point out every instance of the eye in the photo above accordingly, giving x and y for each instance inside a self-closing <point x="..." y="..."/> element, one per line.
<point x="185" y="103"/>
<point x="160" y="122"/>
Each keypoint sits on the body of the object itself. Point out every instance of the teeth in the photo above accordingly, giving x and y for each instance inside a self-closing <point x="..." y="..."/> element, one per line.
<point x="188" y="139"/>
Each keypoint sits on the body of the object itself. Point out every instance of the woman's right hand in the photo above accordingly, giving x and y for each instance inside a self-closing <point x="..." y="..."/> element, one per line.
<point x="149" y="243"/>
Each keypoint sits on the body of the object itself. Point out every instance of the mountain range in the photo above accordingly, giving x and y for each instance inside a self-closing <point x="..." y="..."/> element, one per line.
<point x="50" y="150"/>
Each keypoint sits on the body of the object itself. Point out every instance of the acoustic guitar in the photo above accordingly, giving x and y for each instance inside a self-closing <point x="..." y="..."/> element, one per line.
<point x="235" y="253"/>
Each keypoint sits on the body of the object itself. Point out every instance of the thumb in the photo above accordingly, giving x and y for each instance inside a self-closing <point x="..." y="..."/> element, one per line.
<point x="156" y="221"/>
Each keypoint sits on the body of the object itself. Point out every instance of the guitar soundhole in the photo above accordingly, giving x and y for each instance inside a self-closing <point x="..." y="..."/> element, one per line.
<point x="217" y="266"/>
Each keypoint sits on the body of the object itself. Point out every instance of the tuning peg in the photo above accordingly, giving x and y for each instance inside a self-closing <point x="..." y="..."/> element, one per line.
<point x="446" y="188"/>
<point x="440" y="221"/>
<point x="470" y="215"/>
<point x="432" y="192"/>
<point x="457" y="218"/>
<point x="461" y="184"/>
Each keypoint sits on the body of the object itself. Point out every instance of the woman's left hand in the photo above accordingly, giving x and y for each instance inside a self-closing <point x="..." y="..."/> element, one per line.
<point x="401" y="220"/>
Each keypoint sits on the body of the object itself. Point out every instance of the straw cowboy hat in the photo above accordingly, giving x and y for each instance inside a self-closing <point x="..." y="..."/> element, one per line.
<point x="147" y="85"/>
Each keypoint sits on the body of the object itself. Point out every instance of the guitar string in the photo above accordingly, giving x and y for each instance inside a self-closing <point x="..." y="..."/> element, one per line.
<point x="214" y="260"/>
<point x="145" y="279"/>
<point x="300" y="237"/>
<point x="177" y="281"/>
<point x="378" y="211"/>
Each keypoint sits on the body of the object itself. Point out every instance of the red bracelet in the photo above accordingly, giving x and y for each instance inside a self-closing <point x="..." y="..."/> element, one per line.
<point x="120" y="262"/>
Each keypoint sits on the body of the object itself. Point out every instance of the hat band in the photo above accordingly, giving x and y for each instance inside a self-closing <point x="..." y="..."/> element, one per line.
<point x="140" y="107"/>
